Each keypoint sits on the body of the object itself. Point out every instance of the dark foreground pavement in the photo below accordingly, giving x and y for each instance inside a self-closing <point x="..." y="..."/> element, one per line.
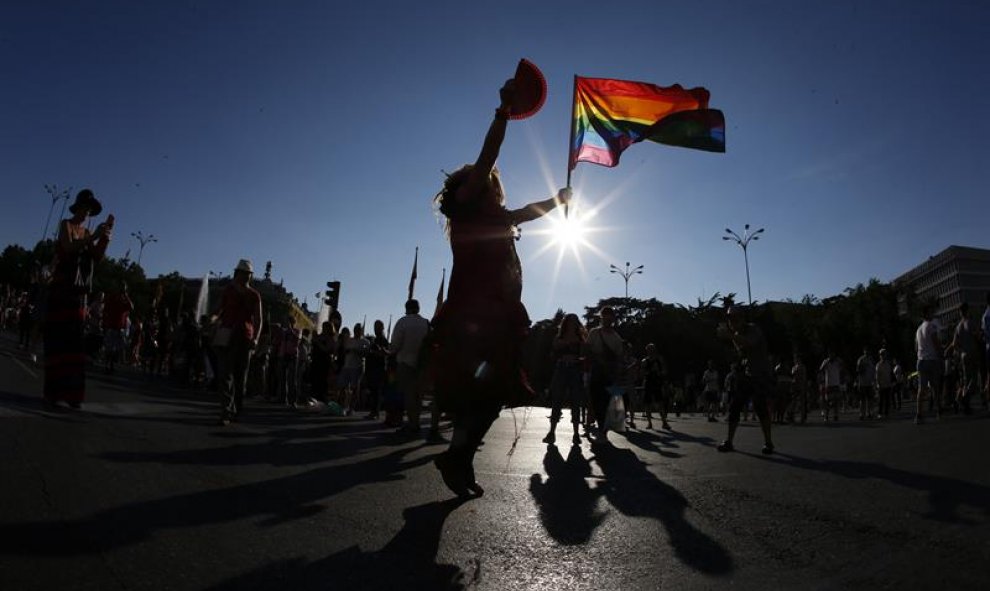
<point x="142" y="491"/>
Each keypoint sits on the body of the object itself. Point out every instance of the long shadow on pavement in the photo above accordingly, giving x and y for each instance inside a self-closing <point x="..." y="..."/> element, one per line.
<point x="408" y="561"/>
<point x="945" y="495"/>
<point x="635" y="491"/>
<point x="568" y="505"/>
<point x="276" y="500"/>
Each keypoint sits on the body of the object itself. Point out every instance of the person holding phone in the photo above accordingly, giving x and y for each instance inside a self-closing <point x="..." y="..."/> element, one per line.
<point x="77" y="250"/>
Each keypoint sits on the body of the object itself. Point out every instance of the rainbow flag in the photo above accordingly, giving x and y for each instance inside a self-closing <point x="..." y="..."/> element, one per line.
<point x="611" y="115"/>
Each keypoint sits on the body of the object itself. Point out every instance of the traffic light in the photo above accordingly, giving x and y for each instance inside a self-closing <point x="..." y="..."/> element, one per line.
<point x="333" y="294"/>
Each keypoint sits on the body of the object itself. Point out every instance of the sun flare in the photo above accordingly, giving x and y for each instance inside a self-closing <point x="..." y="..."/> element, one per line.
<point x="570" y="236"/>
<point x="569" y="232"/>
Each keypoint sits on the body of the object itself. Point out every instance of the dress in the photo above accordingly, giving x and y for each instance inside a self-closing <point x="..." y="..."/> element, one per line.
<point x="482" y="324"/>
<point x="64" y="346"/>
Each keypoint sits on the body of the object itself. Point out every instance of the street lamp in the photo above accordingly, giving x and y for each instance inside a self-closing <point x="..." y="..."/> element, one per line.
<point x="626" y="274"/>
<point x="55" y="194"/>
<point x="143" y="240"/>
<point x="743" y="242"/>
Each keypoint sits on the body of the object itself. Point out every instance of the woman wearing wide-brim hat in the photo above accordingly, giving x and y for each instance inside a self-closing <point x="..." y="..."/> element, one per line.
<point x="77" y="250"/>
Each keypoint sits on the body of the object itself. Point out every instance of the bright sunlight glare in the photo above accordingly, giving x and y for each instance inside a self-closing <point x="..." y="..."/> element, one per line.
<point x="568" y="232"/>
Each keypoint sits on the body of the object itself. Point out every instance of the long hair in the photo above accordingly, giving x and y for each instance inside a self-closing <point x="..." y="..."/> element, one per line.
<point x="446" y="200"/>
<point x="571" y="319"/>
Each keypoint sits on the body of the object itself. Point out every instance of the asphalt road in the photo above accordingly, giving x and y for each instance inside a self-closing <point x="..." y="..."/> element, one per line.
<point x="141" y="490"/>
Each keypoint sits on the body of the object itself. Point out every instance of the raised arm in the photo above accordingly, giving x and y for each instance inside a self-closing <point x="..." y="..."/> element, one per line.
<point x="489" y="150"/>
<point x="540" y="208"/>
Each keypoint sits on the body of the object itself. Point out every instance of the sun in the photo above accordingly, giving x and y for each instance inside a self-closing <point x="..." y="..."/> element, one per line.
<point x="568" y="232"/>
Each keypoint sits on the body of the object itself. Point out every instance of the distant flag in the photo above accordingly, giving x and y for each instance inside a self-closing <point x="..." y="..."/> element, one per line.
<point x="412" y="278"/>
<point x="611" y="115"/>
<point x="443" y="279"/>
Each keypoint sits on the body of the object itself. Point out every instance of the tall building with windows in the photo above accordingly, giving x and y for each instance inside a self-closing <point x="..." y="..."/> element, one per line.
<point x="955" y="275"/>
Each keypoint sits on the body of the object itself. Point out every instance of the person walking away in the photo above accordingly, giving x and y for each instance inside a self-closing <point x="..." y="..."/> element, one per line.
<point x="320" y="356"/>
<point x="480" y="329"/>
<point x="885" y="385"/>
<point x="407" y="339"/>
<point x="929" y="353"/>
<point x="375" y="369"/>
<point x="628" y="380"/>
<point x="259" y="374"/>
<point x="291" y="337"/>
<point x="965" y="347"/>
<point x="654" y="381"/>
<point x="900" y="384"/>
<point x="710" y="382"/>
<point x="355" y="350"/>
<point x="755" y="383"/>
<point x="567" y="384"/>
<point x="831" y="377"/>
<point x="237" y="335"/>
<point x="731" y="386"/>
<point x="866" y="379"/>
<point x="783" y="387"/>
<point x="799" y="378"/>
<point x="76" y="253"/>
<point x="605" y="348"/>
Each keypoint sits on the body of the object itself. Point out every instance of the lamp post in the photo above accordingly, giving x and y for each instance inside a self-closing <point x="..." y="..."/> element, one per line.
<point x="143" y="240"/>
<point x="743" y="242"/>
<point x="55" y="194"/>
<point x="626" y="274"/>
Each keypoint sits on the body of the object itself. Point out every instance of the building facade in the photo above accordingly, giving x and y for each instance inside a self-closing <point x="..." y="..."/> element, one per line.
<point x="955" y="275"/>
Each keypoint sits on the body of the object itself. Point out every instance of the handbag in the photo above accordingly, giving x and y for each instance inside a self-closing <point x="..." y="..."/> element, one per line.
<point x="615" y="414"/>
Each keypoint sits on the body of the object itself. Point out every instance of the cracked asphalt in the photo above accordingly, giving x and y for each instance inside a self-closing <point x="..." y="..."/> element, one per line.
<point x="142" y="491"/>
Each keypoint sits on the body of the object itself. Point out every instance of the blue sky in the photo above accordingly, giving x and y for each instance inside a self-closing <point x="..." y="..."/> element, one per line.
<point x="313" y="134"/>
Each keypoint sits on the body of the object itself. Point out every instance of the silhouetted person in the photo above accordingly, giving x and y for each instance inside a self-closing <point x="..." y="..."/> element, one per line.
<point x="567" y="383"/>
<point x="76" y="252"/>
<point x="481" y="326"/>
<point x="407" y="339"/>
<point x="929" y="351"/>
<point x="965" y="347"/>
<point x="756" y="382"/>
<point x="237" y="335"/>
<point x="605" y="350"/>
<point x="654" y="380"/>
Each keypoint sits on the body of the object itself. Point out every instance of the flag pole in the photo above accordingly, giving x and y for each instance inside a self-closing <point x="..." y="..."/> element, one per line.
<point x="570" y="142"/>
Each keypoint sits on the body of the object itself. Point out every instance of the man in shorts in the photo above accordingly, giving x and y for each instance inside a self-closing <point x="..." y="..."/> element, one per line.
<point x="830" y="374"/>
<point x="964" y="345"/>
<point x="929" y="351"/>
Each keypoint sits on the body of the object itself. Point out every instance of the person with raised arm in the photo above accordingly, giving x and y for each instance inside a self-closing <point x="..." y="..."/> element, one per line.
<point x="479" y="330"/>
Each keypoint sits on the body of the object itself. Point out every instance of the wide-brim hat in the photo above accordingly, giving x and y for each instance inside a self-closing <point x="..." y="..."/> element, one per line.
<point x="85" y="198"/>
<point x="530" y="90"/>
<point x="244" y="265"/>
